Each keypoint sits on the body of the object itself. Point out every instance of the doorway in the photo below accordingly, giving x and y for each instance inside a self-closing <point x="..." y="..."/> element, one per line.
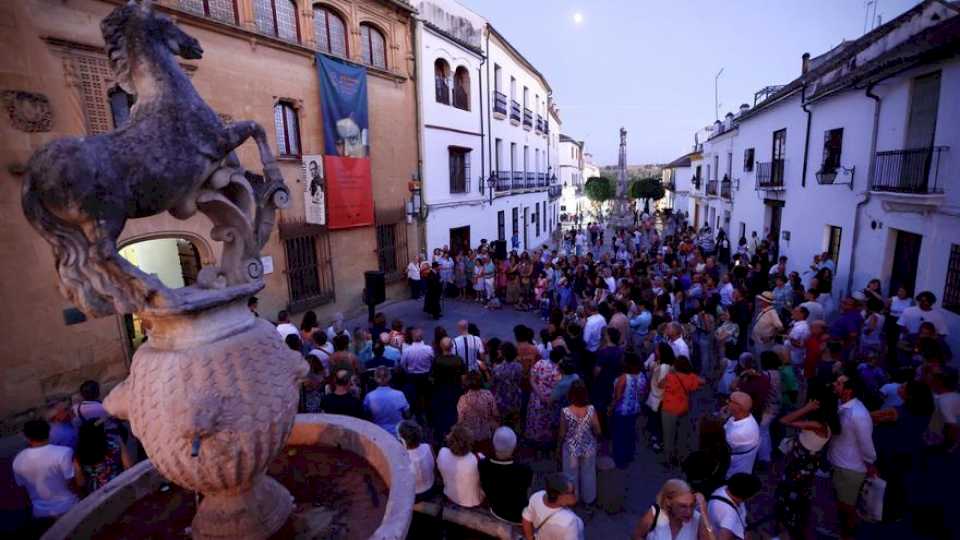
<point x="459" y="240"/>
<point x="696" y="216"/>
<point x="906" y="256"/>
<point x="526" y="220"/>
<point x="774" y="222"/>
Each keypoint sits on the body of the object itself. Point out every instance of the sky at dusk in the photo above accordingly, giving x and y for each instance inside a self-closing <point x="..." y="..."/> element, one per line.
<point x="650" y="65"/>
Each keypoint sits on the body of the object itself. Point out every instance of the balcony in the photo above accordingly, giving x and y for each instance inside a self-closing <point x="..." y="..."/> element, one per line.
<point x="695" y="182"/>
<point x="770" y="175"/>
<point x="712" y="188"/>
<point x="725" y="191"/>
<point x="531" y="180"/>
<point x="909" y="180"/>
<point x="553" y="192"/>
<point x="539" y="125"/>
<point x="541" y="179"/>
<point x="517" y="182"/>
<point x="514" y="112"/>
<point x="527" y="118"/>
<point x="500" y="104"/>
<point x="503" y="181"/>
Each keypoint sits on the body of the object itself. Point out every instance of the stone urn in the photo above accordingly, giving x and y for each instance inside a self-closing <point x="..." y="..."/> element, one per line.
<point x="212" y="395"/>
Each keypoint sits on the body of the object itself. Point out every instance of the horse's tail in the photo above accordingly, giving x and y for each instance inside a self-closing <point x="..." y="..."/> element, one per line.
<point x="70" y="250"/>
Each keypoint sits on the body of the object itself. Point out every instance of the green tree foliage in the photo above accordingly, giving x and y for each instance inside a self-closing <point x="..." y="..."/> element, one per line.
<point x="647" y="189"/>
<point x="600" y="189"/>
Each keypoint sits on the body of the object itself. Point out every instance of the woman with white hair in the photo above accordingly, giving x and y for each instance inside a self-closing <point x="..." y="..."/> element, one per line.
<point x="678" y="514"/>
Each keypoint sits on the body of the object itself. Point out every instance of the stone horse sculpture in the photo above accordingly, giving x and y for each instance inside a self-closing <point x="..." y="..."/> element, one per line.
<point x="213" y="394"/>
<point x="174" y="155"/>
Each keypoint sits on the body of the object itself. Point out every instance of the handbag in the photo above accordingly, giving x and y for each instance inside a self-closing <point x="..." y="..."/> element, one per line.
<point x="870" y="503"/>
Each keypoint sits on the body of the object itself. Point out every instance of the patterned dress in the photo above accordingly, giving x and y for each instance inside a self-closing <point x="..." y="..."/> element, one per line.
<point x="541" y="418"/>
<point x="579" y="440"/>
<point x="506" y="386"/>
<point x="110" y="467"/>
<point x="477" y="411"/>
<point x="794" y="493"/>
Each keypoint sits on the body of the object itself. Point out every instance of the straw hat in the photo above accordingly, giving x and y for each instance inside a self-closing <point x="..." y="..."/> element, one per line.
<point x="766" y="296"/>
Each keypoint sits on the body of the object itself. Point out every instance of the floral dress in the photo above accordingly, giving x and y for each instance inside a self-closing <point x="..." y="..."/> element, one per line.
<point x="540" y="414"/>
<point x="579" y="440"/>
<point x="506" y="386"/>
<point x="477" y="411"/>
<point x="794" y="493"/>
<point x="110" y="467"/>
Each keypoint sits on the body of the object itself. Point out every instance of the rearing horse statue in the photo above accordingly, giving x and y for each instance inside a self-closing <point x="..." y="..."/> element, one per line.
<point x="173" y="155"/>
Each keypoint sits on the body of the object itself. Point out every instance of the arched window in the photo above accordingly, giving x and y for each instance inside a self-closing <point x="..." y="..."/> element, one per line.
<point x="441" y="72"/>
<point x="461" y="89"/>
<point x="277" y="18"/>
<point x="221" y="10"/>
<point x="330" y="31"/>
<point x="373" y="46"/>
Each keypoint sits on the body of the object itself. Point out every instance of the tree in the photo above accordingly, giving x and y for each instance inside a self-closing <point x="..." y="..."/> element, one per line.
<point x="646" y="189"/>
<point x="599" y="189"/>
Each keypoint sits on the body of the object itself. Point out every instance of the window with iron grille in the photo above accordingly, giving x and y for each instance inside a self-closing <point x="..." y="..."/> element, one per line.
<point x="288" y="129"/>
<point x="951" y="288"/>
<point x="373" y="47"/>
<point x="329" y="31"/>
<point x="308" y="264"/>
<point x="748" y="160"/>
<point x="221" y="10"/>
<point x="392" y="249"/>
<point x="833" y="245"/>
<point x="516" y="221"/>
<point x="459" y="169"/>
<point x="832" y="146"/>
<point x="277" y="18"/>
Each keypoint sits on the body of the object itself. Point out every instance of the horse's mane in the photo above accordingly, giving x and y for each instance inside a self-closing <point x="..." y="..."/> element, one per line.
<point x="114" y="29"/>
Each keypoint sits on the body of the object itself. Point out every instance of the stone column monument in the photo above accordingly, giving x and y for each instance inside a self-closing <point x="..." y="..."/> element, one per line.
<point x="213" y="393"/>
<point x="621" y="214"/>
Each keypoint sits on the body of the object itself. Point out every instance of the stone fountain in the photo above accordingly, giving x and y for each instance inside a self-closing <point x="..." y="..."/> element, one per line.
<point x="213" y="393"/>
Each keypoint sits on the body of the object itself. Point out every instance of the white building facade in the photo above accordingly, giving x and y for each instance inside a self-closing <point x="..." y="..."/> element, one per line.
<point x="857" y="157"/>
<point x="484" y="126"/>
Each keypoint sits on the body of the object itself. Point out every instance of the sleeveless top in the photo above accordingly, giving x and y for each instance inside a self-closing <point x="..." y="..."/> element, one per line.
<point x="811" y="441"/>
<point x="579" y="441"/>
<point x="636" y="385"/>
<point x="661" y="529"/>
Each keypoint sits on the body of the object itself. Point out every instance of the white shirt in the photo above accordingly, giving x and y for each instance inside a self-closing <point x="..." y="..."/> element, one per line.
<point x="421" y="459"/>
<point x="913" y="317"/>
<point x="723" y="515"/>
<point x="461" y="478"/>
<point x="563" y="524"/>
<point x="45" y="471"/>
<point x="287" y="329"/>
<point x="593" y="331"/>
<point x="417" y="358"/>
<point x="898" y="305"/>
<point x="413" y="271"/>
<point x="815" y="311"/>
<point x="726" y="294"/>
<point x="611" y="283"/>
<point x="688" y="530"/>
<point x="891" y="397"/>
<point x="852" y="448"/>
<point x="946" y="411"/>
<point x="680" y="347"/>
<point x="743" y="437"/>
<point x="469" y="348"/>
<point x="799" y="331"/>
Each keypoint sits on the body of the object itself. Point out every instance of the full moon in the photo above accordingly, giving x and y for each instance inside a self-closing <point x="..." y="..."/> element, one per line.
<point x="577" y="18"/>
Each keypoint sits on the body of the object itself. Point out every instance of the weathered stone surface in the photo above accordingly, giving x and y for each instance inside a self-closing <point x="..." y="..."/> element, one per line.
<point x="28" y="111"/>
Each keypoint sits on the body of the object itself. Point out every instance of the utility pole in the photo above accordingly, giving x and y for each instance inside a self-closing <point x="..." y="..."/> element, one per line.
<point x="716" y="95"/>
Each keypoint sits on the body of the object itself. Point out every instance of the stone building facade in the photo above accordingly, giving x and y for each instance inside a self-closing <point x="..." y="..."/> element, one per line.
<point x="258" y="64"/>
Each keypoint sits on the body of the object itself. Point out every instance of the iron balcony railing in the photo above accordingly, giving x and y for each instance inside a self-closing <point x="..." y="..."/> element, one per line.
<point x="514" y="110"/>
<point x="725" y="191"/>
<point x="527" y="118"/>
<point x="770" y="174"/>
<point x="712" y="188"/>
<point x="915" y="170"/>
<point x="531" y="180"/>
<point x="500" y="103"/>
<point x="539" y="125"/>
<point x="503" y="181"/>
<point x="517" y="182"/>
<point x="553" y="192"/>
<point x="541" y="179"/>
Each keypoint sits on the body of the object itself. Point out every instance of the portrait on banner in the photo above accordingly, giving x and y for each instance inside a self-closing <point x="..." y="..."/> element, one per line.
<point x="314" y="190"/>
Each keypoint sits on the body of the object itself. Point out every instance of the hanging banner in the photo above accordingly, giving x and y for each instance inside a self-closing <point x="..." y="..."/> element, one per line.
<point x="343" y="101"/>
<point x="314" y="190"/>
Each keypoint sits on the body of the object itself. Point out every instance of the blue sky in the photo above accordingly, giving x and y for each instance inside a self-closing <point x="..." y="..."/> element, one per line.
<point x="650" y="65"/>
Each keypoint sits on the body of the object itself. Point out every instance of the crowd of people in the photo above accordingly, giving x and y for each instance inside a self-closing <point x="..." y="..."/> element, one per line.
<point x="741" y="371"/>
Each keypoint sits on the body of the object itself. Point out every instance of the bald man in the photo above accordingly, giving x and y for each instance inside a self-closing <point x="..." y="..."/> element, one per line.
<point x="743" y="434"/>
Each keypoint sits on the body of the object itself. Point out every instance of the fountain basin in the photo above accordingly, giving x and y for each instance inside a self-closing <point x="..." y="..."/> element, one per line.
<point x="370" y="459"/>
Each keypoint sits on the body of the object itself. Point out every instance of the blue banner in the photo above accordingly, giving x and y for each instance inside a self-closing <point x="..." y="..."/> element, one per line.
<point x="343" y="102"/>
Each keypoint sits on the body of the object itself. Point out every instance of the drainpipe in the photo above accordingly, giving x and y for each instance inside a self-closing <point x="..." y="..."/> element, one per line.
<point x="483" y="138"/>
<point x="806" y="138"/>
<point x="866" y="194"/>
<point x="486" y="54"/>
<point x="418" y="106"/>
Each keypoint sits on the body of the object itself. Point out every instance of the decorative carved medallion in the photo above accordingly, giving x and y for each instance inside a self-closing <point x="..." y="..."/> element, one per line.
<point x="28" y="111"/>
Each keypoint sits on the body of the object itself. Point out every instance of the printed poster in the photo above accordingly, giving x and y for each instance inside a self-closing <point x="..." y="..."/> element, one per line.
<point x="314" y="190"/>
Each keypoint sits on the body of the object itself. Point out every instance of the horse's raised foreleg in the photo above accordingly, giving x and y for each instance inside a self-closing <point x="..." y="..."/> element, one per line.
<point x="237" y="133"/>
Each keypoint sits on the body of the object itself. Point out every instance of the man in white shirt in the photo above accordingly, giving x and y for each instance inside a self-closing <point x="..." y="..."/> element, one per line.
<point x="548" y="515"/>
<point x="45" y="470"/>
<point x="726" y="506"/>
<point x="726" y="291"/>
<point x="593" y="327"/>
<point x="610" y="280"/>
<point x="674" y="333"/>
<point x="468" y="347"/>
<point x="284" y="326"/>
<point x="413" y="276"/>
<point x="914" y="316"/>
<point x="851" y="451"/>
<point x="742" y="434"/>
<point x="799" y="332"/>
<point x="814" y="309"/>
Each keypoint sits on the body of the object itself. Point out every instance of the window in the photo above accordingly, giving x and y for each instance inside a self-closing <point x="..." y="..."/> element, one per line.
<point x="513" y="88"/>
<point x="743" y="228"/>
<point x="501" y="225"/>
<point x="951" y="289"/>
<point x="277" y="18"/>
<point x="729" y="165"/>
<point x="716" y="168"/>
<point x="373" y="47"/>
<point x="498" y="154"/>
<point x="516" y="224"/>
<point x="832" y="145"/>
<point x="513" y="157"/>
<point x="459" y="169"/>
<point x="526" y="159"/>
<point x="309" y="266"/>
<point x="329" y="31"/>
<point x="288" y="129"/>
<point x="392" y="249"/>
<point x="748" y="160"/>
<point x="526" y="97"/>
<point x="120" y="103"/>
<point x="497" y="78"/>
<point x="221" y="10"/>
<point x="461" y="88"/>
<point x="779" y="156"/>
<point x="833" y="243"/>
<point x="441" y="73"/>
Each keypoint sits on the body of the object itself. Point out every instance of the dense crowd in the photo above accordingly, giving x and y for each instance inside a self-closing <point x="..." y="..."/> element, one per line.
<point x="642" y="327"/>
